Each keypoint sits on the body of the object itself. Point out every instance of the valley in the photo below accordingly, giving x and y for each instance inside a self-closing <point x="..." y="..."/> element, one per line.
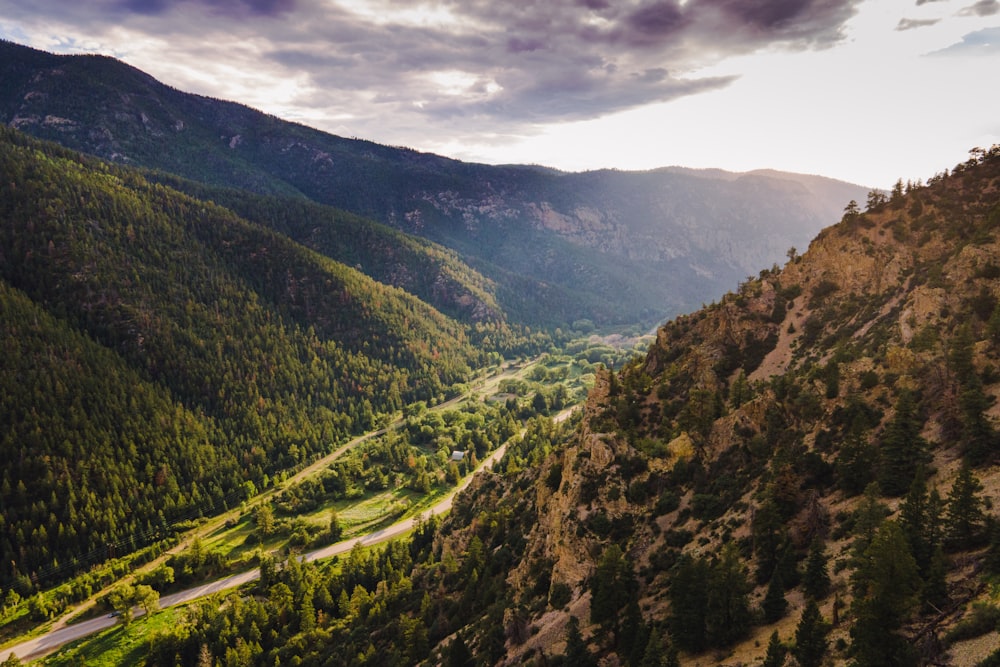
<point x="256" y="367"/>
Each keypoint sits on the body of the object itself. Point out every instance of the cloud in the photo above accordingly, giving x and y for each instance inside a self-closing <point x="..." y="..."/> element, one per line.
<point x="477" y="65"/>
<point x="911" y="24"/>
<point x="982" y="8"/>
<point x="230" y="8"/>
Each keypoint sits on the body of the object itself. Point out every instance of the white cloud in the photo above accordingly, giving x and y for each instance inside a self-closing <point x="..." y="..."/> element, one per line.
<point x="809" y="85"/>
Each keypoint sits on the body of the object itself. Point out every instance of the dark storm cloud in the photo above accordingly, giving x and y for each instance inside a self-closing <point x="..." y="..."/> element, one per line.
<point x="480" y="63"/>
<point x="796" y="23"/>
<point x="658" y="21"/>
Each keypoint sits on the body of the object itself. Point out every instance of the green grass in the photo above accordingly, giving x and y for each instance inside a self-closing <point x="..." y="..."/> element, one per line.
<point x="117" y="646"/>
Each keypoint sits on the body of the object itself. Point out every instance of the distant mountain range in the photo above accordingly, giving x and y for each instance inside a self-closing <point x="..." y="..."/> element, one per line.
<point x="607" y="246"/>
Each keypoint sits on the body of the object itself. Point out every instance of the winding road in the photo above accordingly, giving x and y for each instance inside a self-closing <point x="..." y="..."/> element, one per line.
<point x="49" y="642"/>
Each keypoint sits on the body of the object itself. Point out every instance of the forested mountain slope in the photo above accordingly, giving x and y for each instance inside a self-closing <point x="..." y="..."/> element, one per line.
<point x="811" y="460"/>
<point x="163" y="356"/>
<point x="608" y="246"/>
<point x="433" y="273"/>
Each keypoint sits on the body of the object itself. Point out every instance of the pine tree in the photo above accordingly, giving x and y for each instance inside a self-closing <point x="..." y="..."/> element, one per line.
<point x="307" y="612"/>
<point x="774" y="605"/>
<point x="459" y="654"/>
<point x="688" y="603"/>
<point x="727" y="616"/>
<point x="739" y="391"/>
<point x="869" y="517"/>
<point x="992" y="557"/>
<point x="769" y="533"/>
<point x="670" y="657"/>
<point x="886" y="584"/>
<point x="964" y="511"/>
<point x="810" y="637"/>
<point x="856" y="462"/>
<point x="816" y="579"/>
<point x="913" y="519"/>
<point x="611" y="586"/>
<point x="776" y="652"/>
<point x="903" y="449"/>
<point x="960" y="355"/>
<point x="653" y="654"/>
<point x="576" y="648"/>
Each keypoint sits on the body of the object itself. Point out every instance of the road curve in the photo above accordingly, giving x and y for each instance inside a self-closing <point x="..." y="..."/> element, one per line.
<point x="49" y="642"/>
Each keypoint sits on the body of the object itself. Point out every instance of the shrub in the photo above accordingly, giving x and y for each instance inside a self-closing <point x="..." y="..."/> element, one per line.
<point x="983" y="619"/>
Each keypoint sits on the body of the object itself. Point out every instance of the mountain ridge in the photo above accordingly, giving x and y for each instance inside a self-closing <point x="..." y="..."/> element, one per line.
<point x="570" y="236"/>
<point x="816" y="414"/>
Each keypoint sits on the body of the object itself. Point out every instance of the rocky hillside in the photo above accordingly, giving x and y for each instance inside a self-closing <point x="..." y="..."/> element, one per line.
<point x="821" y="441"/>
<point x="608" y="246"/>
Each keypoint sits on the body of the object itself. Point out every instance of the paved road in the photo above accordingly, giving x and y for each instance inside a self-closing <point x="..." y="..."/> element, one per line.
<point x="49" y="642"/>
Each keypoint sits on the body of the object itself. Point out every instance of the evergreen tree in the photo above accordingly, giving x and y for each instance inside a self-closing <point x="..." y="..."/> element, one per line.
<point x="688" y="608"/>
<point x="810" y="636"/>
<point x="670" y="657"/>
<point x="307" y="612"/>
<point x="459" y="654"/>
<point x="903" y="449"/>
<point x="869" y="517"/>
<point x="857" y="459"/>
<point x="979" y="438"/>
<point x="653" y="653"/>
<point x="739" y="391"/>
<point x="934" y="593"/>
<point x="992" y="558"/>
<point x="960" y="355"/>
<point x="611" y="587"/>
<point x="776" y="652"/>
<point x="774" y="605"/>
<point x="964" y="511"/>
<point x="886" y="584"/>
<point x="769" y="534"/>
<point x="727" y="616"/>
<point x="576" y="653"/>
<point x="816" y="579"/>
<point x="658" y="651"/>
<point x="914" y="518"/>
<point x="631" y="628"/>
<point x="336" y="529"/>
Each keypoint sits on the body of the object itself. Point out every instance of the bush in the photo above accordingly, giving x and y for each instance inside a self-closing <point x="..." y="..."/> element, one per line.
<point x="823" y="289"/>
<point x="667" y="502"/>
<point x="983" y="619"/>
<point x="559" y="595"/>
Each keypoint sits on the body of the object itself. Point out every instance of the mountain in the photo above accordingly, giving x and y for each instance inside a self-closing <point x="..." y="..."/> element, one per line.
<point x="612" y="247"/>
<point x="164" y="357"/>
<point x="838" y="415"/>
<point x="813" y="459"/>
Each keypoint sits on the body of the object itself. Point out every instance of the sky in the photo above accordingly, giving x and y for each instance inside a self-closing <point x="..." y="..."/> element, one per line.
<point x="867" y="91"/>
